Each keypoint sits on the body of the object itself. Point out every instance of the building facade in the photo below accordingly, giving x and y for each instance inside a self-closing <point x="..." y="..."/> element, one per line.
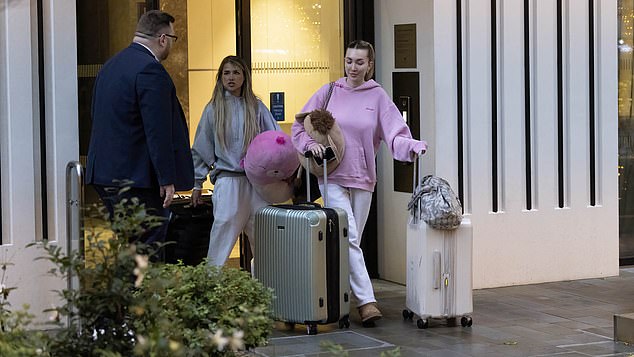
<point x="518" y="104"/>
<point x="517" y="99"/>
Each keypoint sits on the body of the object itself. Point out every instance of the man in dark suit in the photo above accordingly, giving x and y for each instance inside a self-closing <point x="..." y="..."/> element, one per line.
<point x="139" y="132"/>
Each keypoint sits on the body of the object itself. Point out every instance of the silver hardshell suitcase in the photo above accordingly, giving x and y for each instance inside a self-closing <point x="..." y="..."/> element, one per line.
<point x="301" y="252"/>
<point x="439" y="272"/>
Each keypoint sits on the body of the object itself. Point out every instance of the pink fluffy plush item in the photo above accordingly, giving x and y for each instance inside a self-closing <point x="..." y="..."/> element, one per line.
<point x="270" y="162"/>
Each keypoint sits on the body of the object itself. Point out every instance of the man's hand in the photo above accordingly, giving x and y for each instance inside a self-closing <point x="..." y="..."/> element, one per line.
<point x="167" y="192"/>
<point x="197" y="197"/>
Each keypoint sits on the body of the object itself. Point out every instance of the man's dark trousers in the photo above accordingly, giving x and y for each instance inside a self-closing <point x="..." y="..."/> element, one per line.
<point x="110" y="196"/>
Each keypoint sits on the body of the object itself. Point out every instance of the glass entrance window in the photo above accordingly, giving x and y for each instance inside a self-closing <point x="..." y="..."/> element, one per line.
<point x="626" y="130"/>
<point x="296" y="47"/>
<point x="209" y="31"/>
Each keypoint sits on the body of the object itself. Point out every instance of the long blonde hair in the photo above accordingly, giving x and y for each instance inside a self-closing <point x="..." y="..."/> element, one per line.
<point x="251" y="123"/>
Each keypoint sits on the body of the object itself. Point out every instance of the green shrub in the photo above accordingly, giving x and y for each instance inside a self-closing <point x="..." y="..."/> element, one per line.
<point x="16" y="337"/>
<point x="211" y="310"/>
<point x="126" y="305"/>
<point x="98" y="313"/>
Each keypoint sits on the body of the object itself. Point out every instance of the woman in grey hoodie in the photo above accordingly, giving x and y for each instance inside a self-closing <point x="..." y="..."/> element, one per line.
<point x="230" y="121"/>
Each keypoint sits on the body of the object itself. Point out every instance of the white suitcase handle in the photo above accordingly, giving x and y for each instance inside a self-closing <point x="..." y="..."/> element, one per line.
<point x="418" y="164"/>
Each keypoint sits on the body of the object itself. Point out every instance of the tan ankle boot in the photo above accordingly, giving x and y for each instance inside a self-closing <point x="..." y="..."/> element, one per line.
<point x="369" y="312"/>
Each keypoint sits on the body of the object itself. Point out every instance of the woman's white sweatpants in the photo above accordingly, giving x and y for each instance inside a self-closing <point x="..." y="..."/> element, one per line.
<point x="356" y="203"/>
<point x="235" y="204"/>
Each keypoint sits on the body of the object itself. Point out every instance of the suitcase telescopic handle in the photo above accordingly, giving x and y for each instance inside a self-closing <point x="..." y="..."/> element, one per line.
<point x="308" y="154"/>
<point x="417" y="171"/>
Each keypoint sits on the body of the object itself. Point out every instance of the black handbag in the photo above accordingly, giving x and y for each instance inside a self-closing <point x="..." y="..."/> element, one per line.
<point x="299" y="190"/>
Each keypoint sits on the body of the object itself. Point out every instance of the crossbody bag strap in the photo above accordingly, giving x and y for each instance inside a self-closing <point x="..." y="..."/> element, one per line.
<point x="332" y="86"/>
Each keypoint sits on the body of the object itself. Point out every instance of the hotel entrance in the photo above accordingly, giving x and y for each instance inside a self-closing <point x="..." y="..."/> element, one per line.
<point x="293" y="47"/>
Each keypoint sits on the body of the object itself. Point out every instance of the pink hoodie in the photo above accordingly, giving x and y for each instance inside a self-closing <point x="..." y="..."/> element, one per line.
<point x="366" y="115"/>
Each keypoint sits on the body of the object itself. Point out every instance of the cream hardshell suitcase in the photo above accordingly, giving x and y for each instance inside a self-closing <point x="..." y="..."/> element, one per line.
<point x="439" y="267"/>
<point x="301" y="252"/>
<point x="439" y="273"/>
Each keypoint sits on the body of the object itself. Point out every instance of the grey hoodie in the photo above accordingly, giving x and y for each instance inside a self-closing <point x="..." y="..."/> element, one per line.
<point x="211" y="159"/>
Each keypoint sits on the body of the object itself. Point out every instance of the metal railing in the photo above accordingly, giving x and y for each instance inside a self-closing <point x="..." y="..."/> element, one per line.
<point x="74" y="215"/>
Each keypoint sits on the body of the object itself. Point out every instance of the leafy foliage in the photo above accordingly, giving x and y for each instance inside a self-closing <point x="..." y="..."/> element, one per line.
<point x="16" y="339"/>
<point x="98" y="313"/>
<point x="211" y="310"/>
<point x="128" y="305"/>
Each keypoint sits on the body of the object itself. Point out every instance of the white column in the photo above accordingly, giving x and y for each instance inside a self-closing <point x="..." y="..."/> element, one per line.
<point x="513" y="245"/>
<point x="20" y="121"/>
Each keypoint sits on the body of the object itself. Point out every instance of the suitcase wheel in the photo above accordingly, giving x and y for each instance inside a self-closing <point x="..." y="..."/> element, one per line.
<point x="407" y="315"/>
<point x="422" y="323"/>
<point x="311" y="329"/>
<point x="466" y="321"/>
<point x="344" y="322"/>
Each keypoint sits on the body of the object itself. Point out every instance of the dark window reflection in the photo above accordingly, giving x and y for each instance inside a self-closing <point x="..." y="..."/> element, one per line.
<point x="626" y="131"/>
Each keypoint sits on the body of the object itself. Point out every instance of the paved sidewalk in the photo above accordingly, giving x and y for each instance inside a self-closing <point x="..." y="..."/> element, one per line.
<point x="572" y="318"/>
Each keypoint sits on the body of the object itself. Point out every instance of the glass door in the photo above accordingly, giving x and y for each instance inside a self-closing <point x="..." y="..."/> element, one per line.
<point x="206" y="31"/>
<point x="210" y="29"/>
<point x="296" y="47"/>
<point x="626" y="131"/>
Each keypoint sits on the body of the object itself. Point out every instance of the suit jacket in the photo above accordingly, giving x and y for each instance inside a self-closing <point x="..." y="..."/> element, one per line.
<point x="139" y="131"/>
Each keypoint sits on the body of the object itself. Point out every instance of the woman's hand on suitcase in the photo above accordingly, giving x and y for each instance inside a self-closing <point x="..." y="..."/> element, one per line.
<point x="419" y="150"/>
<point x="317" y="149"/>
<point x="196" y="197"/>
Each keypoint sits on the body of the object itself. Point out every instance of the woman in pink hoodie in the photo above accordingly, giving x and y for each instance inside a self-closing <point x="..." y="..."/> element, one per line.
<point x="366" y="115"/>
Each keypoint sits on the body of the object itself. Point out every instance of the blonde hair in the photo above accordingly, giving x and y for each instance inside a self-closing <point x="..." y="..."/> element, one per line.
<point x="251" y="123"/>
<point x="365" y="45"/>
